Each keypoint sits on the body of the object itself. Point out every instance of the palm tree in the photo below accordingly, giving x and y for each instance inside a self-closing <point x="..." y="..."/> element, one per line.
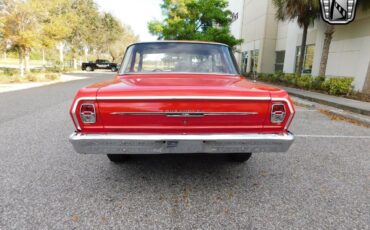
<point x="305" y="12"/>
<point x="365" y="4"/>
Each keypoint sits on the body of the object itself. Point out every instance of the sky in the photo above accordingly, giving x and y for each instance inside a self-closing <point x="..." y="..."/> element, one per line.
<point x="135" y="13"/>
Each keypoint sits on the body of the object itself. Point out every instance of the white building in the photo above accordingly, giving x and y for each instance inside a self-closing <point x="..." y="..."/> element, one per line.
<point x="271" y="45"/>
<point x="236" y="7"/>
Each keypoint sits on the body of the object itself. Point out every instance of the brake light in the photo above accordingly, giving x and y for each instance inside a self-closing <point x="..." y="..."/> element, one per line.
<point x="278" y="113"/>
<point x="88" y="113"/>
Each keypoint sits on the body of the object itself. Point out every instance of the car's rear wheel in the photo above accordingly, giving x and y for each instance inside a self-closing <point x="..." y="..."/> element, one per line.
<point x="118" y="158"/>
<point x="89" y="69"/>
<point x="114" y="69"/>
<point x="240" y="157"/>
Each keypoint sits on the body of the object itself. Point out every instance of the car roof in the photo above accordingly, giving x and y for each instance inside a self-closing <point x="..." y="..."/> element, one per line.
<point x="182" y="41"/>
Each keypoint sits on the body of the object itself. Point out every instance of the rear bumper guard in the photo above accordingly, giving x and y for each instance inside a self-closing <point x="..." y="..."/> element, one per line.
<point x="185" y="143"/>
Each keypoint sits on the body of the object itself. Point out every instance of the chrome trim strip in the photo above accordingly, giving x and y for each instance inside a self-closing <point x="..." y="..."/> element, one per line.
<point x="166" y="137"/>
<point x="180" y="41"/>
<point x="185" y="114"/>
<point x="184" y="73"/>
<point x="184" y="143"/>
<point x="184" y="98"/>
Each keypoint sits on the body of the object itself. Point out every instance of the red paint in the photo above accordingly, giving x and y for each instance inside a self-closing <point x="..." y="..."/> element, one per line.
<point x="202" y="85"/>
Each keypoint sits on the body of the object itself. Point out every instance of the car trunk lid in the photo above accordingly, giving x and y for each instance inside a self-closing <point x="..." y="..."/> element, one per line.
<point x="182" y="104"/>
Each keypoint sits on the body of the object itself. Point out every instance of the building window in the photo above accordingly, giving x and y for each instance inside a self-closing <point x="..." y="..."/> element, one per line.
<point x="279" y="61"/>
<point x="308" y="59"/>
<point x="254" y="60"/>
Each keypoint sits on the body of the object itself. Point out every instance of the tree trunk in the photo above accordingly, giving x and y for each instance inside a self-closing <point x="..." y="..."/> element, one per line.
<point x="303" y="50"/>
<point x="43" y="58"/>
<point x="21" y="62"/>
<point x="112" y="56"/>
<point x="325" y="51"/>
<point x="86" y="52"/>
<point x="74" y="63"/>
<point x="27" y="60"/>
<point x="61" y="52"/>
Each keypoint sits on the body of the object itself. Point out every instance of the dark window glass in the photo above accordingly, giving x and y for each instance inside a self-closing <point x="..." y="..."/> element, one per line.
<point x="279" y="61"/>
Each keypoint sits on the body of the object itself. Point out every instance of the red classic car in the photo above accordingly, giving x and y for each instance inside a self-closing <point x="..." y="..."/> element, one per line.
<point x="180" y="97"/>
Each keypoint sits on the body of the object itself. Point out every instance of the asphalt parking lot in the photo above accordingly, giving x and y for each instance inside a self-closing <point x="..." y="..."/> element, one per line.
<point x="323" y="182"/>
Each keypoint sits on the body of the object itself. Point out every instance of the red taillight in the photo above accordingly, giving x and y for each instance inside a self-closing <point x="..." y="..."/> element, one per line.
<point x="88" y="114"/>
<point x="278" y="113"/>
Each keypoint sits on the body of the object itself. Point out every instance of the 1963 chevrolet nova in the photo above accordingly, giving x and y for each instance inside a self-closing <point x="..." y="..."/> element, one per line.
<point x="180" y="97"/>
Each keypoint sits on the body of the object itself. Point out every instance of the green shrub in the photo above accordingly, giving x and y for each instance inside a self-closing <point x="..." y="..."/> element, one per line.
<point x="317" y="83"/>
<point x="289" y="79"/>
<point x="278" y="77"/>
<point x="9" y="71"/>
<point x="304" y="82"/>
<point x="36" y="70"/>
<point x="274" y="78"/>
<point x="17" y="79"/>
<point x="267" y="77"/>
<point x="338" y="85"/>
<point x="261" y="76"/>
<point x="55" y="69"/>
<point x="52" y="76"/>
<point x="32" y="77"/>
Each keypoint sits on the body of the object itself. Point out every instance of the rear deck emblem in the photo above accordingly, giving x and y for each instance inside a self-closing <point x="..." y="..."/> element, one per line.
<point x="338" y="12"/>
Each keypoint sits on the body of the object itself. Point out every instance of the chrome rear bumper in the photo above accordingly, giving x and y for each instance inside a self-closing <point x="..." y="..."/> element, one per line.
<point x="186" y="143"/>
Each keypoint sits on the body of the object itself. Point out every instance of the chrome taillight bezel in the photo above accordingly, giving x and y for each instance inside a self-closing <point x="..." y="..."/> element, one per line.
<point x="88" y="117"/>
<point x="277" y="117"/>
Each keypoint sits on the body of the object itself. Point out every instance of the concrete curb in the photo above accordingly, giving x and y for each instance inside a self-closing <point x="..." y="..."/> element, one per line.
<point x="354" y="106"/>
<point x="5" y="88"/>
<point x="330" y="103"/>
<point x="364" y="120"/>
<point x="351" y="117"/>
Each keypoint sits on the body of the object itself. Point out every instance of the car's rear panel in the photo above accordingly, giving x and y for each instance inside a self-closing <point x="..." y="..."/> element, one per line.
<point x="184" y="105"/>
<point x="183" y="115"/>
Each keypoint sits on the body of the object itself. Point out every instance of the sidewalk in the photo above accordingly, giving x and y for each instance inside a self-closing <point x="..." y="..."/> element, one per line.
<point x="21" y="86"/>
<point x="360" y="107"/>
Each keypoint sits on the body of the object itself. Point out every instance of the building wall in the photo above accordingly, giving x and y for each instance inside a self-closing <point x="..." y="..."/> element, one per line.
<point x="349" y="54"/>
<point x="259" y="33"/>
<point x="236" y="7"/>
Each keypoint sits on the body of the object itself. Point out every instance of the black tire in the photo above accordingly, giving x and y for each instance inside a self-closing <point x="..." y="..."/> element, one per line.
<point x="89" y="69"/>
<point x="118" y="158"/>
<point x="114" y="69"/>
<point x="240" y="157"/>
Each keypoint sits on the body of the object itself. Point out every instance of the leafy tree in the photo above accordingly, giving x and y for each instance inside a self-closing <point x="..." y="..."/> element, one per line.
<point x="110" y="31"/>
<point x="305" y="12"/>
<point x="57" y="24"/>
<point x="20" y="26"/>
<point x="206" y="20"/>
<point x="84" y="29"/>
<point x="330" y="30"/>
<point x="72" y="25"/>
<point x="117" y="48"/>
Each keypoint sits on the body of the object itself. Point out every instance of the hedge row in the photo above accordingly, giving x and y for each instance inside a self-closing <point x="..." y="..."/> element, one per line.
<point x="332" y="85"/>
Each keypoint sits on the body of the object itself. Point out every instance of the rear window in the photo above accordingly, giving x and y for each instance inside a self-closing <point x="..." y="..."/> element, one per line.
<point x="178" y="58"/>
